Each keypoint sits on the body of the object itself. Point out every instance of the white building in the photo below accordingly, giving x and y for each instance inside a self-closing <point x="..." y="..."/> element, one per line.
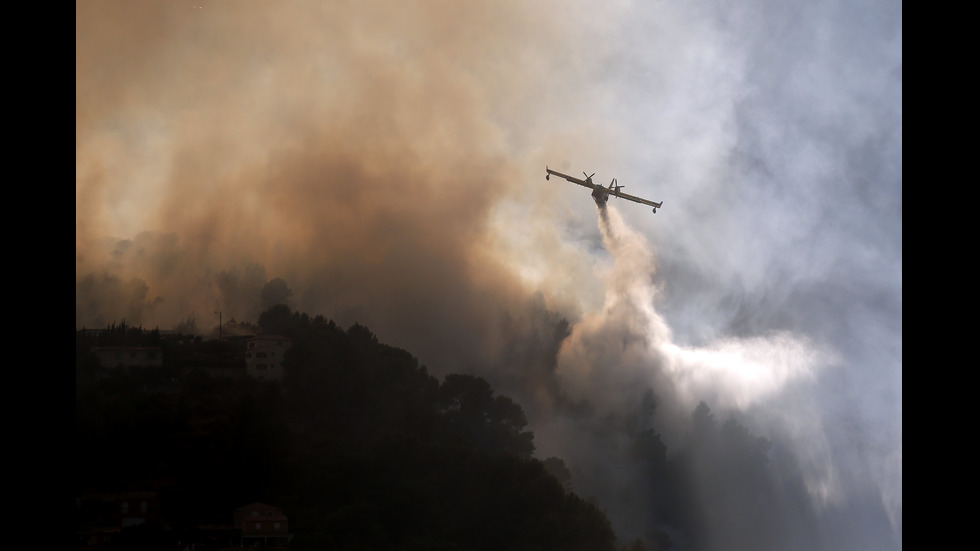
<point x="263" y="357"/>
<point x="129" y="356"/>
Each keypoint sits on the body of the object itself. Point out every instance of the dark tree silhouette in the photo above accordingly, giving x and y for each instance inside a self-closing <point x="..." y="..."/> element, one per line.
<point x="476" y="415"/>
<point x="359" y="445"/>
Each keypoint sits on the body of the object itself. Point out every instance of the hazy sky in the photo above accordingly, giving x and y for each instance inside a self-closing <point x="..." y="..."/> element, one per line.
<point x="387" y="159"/>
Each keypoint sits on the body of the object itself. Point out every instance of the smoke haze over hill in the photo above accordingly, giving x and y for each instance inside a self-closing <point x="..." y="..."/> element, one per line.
<point x="383" y="163"/>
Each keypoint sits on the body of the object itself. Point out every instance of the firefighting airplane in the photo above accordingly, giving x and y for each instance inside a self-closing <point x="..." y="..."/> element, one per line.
<point x="601" y="194"/>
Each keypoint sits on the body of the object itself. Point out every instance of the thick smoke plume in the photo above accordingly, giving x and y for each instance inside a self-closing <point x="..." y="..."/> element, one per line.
<point x="351" y="149"/>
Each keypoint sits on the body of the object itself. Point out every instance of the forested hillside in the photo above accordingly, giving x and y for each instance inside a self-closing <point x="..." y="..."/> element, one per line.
<point x="359" y="445"/>
<point x="363" y="449"/>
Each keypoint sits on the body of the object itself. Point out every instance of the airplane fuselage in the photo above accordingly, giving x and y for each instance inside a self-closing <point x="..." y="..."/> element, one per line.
<point x="601" y="196"/>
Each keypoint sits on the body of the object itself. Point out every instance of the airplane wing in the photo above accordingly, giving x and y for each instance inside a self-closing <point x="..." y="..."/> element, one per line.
<point x="634" y="198"/>
<point x="572" y="179"/>
<point x="600" y="193"/>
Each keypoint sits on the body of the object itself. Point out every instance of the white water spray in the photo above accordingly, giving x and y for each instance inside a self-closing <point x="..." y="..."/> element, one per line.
<point x="618" y="352"/>
<point x="628" y="334"/>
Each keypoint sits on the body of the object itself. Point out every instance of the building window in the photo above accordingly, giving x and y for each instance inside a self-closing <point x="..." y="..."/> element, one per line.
<point x="277" y="526"/>
<point x="124" y="507"/>
<point x="143" y="506"/>
<point x="258" y="525"/>
<point x="260" y="354"/>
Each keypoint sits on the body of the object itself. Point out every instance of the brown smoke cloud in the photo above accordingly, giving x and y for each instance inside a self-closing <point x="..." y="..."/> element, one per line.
<point x="353" y="149"/>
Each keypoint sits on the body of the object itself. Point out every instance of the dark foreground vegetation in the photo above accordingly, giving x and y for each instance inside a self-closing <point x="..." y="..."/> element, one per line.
<point x="362" y="449"/>
<point x="358" y="445"/>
